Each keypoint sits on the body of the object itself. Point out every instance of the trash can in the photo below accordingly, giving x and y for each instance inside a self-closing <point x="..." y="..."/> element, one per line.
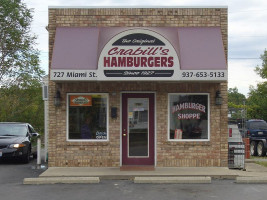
<point x="236" y="155"/>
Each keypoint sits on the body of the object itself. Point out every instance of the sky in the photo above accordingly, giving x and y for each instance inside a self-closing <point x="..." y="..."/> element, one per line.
<point x="247" y="31"/>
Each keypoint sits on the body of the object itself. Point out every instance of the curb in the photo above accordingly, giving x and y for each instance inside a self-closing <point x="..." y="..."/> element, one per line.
<point x="253" y="179"/>
<point x="188" y="180"/>
<point x="55" y="180"/>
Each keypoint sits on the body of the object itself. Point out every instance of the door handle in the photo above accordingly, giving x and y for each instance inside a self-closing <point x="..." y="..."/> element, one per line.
<point x="124" y="134"/>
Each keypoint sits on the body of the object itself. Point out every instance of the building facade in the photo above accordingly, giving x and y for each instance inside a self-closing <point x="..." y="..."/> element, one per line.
<point x="138" y="86"/>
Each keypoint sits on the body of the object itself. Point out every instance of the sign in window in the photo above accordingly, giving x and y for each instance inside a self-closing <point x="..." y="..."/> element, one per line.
<point x="87" y="116"/>
<point x="188" y="117"/>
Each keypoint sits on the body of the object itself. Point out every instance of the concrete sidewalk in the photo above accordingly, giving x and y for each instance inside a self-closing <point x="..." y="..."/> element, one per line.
<point x="115" y="173"/>
<point x="58" y="174"/>
<point x="252" y="169"/>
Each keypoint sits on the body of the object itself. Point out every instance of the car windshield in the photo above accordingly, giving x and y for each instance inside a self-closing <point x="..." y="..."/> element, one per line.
<point x="260" y="125"/>
<point x="13" y="130"/>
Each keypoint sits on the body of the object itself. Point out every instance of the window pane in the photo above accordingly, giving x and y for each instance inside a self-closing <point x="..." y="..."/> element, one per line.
<point x="138" y="126"/>
<point x="13" y="129"/>
<point x="88" y="117"/>
<point x="188" y="116"/>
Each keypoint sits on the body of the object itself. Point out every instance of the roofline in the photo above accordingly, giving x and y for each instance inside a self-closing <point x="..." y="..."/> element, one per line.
<point x="146" y="7"/>
<point x="14" y="123"/>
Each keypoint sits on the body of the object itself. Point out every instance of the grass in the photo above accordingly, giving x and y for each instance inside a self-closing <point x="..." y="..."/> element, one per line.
<point x="257" y="157"/>
<point x="262" y="163"/>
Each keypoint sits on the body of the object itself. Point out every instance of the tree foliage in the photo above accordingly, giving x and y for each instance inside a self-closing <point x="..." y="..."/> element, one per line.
<point x="236" y="104"/>
<point x="262" y="71"/>
<point x="18" y="57"/>
<point x="235" y="97"/>
<point x="20" y="73"/>
<point x="257" y="100"/>
<point x="23" y="105"/>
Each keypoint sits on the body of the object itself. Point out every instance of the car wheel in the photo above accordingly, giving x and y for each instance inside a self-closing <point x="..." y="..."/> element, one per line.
<point x="260" y="149"/>
<point x="26" y="157"/>
<point x="253" y="150"/>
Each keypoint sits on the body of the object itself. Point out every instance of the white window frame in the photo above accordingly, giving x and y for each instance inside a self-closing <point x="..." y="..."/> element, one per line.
<point x="67" y="120"/>
<point x="189" y="140"/>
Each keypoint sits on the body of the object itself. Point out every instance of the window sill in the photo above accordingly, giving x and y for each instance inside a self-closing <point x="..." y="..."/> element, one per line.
<point x="87" y="143"/>
<point x="186" y="143"/>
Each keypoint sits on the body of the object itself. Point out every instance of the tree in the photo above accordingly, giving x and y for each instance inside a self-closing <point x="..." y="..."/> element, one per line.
<point x="19" y="60"/>
<point x="23" y="105"/>
<point x="257" y="101"/>
<point x="236" y="106"/>
<point x="235" y="97"/>
<point x="20" y="73"/>
<point x="262" y="71"/>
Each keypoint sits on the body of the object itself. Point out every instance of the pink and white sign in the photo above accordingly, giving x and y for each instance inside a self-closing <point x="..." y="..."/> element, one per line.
<point x="140" y="54"/>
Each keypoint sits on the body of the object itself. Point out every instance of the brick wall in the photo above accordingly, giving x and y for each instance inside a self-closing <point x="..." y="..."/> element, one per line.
<point x="171" y="154"/>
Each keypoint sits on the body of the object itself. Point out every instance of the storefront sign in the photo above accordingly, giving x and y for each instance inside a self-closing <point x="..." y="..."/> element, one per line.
<point x="138" y="54"/>
<point x="187" y="107"/>
<point x="80" y="100"/>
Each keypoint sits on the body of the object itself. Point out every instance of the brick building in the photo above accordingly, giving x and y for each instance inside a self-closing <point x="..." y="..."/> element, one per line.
<point x="138" y="86"/>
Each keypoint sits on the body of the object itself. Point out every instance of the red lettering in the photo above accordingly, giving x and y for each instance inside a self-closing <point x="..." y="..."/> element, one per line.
<point x="164" y="52"/>
<point x="143" y="62"/>
<point x="144" y="52"/>
<point x="114" y="62"/>
<point x="128" y="52"/>
<point x="164" y="62"/>
<point x="106" y="61"/>
<point x="129" y="61"/>
<point x="155" y="51"/>
<point x="149" y="52"/>
<point x="121" y="52"/>
<point x="157" y="62"/>
<point x="170" y="61"/>
<point x="138" y="51"/>
<point x="150" y="62"/>
<point x="121" y="61"/>
<point x="136" y="61"/>
<point x="113" y="51"/>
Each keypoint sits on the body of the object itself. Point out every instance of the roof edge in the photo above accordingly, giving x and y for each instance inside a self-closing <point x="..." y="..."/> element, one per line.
<point x="101" y="7"/>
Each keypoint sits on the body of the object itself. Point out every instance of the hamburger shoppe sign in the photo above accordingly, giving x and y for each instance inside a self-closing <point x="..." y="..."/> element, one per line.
<point x="138" y="54"/>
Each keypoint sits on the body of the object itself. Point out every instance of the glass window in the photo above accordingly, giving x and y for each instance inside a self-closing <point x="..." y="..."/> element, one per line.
<point x="31" y="129"/>
<point x="138" y="126"/>
<point x="12" y="129"/>
<point x="188" y="117"/>
<point x="87" y="116"/>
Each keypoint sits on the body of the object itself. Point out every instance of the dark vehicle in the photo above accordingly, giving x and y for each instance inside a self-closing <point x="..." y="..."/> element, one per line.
<point x="17" y="140"/>
<point x="256" y="130"/>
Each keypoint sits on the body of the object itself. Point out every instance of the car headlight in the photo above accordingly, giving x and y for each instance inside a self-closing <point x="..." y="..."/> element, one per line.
<point x="16" y="146"/>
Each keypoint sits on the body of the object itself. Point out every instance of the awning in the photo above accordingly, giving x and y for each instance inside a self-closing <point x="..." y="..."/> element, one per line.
<point x="75" y="48"/>
<point x="201" y="48"/>
<point x="78" y="52"/>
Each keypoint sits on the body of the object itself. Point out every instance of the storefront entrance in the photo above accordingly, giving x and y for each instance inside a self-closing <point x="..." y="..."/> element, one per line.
<point x="138" y="128"/>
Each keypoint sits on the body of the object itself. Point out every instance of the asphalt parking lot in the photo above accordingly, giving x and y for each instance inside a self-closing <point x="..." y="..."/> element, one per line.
<point x="12" y="175"/>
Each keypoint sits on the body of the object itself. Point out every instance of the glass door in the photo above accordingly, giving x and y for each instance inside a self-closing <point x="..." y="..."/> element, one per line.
<point x="138" y="129"/>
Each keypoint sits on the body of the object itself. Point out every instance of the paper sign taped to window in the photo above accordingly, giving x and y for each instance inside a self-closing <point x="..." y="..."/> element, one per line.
<point x="80" y="100"/>
<point x="178" y="134"/>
